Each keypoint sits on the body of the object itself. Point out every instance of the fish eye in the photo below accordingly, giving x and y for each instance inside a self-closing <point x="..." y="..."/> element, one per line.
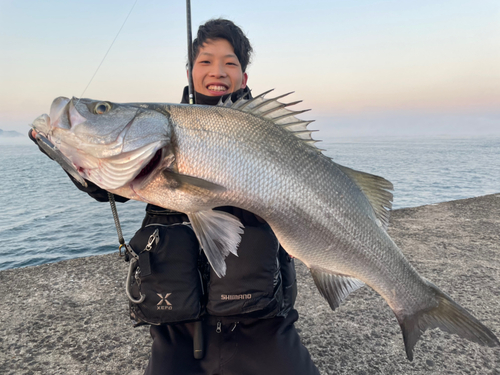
<point x="101" y="108"/>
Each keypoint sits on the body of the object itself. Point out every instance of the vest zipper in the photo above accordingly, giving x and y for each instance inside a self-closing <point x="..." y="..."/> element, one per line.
<point x="219" y="327"/>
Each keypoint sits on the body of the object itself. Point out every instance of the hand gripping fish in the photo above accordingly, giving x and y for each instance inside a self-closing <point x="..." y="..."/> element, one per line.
<point x="256" y="155"/>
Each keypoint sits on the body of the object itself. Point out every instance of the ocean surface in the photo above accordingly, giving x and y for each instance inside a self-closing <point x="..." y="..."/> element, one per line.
<point x="45" y="218"/>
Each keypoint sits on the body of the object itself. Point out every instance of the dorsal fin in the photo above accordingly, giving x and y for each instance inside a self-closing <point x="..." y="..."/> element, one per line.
<point x="377" y="190"/>
<point x="274" y="110"/>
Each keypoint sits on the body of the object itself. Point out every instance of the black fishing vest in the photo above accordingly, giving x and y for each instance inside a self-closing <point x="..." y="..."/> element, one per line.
<point x="180" y="285"/>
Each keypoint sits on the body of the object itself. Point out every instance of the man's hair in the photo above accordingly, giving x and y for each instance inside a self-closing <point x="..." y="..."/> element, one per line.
<point x="224" y="29"/>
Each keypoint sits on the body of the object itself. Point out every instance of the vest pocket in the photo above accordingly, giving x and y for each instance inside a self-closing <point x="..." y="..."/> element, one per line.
<point x="252" y="286"/>
<point x="166" y="275"/>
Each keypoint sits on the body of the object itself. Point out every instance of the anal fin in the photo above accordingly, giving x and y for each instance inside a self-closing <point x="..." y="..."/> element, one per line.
<point x="219" y="234"/>
<point x="333" y="287"/>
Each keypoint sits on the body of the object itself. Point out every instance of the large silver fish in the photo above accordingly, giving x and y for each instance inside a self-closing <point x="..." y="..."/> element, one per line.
<point x="256" y="155"/>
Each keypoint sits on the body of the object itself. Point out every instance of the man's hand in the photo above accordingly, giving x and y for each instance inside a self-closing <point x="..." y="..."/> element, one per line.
<point x="92" y="189"/>
<point x="32" y="135"/>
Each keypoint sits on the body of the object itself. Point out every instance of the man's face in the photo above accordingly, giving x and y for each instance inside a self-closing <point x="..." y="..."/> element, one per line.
<point x="217" y="70"/>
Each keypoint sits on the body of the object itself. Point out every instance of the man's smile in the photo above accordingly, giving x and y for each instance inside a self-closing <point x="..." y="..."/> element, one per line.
<point x="217" y="87"/>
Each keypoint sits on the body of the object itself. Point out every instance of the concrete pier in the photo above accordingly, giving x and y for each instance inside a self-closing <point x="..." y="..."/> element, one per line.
<point x="71" y="317"/>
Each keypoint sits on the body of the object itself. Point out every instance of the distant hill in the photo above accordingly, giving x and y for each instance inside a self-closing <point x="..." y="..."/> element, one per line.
<point x="10" y="133"/>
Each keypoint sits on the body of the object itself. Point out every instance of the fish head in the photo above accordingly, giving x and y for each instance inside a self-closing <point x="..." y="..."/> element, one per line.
<point x="108" y="143"/>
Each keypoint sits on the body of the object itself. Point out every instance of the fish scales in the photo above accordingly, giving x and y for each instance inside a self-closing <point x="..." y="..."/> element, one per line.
<point x="257" y="156"/>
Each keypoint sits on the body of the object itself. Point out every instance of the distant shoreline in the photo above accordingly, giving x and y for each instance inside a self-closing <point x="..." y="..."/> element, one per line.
<point x="15" y="141"/>
<point x="10" y="133"/>
<point x="12" y="137"/>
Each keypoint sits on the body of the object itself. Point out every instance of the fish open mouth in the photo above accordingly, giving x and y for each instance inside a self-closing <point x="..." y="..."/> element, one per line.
<point x="151" y="166"/>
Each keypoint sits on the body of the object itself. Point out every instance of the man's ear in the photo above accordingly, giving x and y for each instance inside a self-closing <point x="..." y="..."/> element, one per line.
<point x="244" y="81"/>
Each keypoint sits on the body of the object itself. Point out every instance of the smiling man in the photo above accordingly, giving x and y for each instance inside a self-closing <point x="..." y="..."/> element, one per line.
<point x="217" y="70"/>
<point x="221" y="55"/>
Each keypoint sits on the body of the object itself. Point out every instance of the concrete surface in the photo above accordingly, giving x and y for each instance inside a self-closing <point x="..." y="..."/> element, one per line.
<point x="71" y="317"/>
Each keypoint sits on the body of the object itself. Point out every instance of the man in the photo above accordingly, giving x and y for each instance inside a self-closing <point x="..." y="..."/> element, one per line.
<point x="247" y="317"/>
<point x="239" y="337"/>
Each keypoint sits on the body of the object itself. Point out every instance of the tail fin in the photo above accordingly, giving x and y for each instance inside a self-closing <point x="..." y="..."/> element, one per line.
<point x="449" y="317"/>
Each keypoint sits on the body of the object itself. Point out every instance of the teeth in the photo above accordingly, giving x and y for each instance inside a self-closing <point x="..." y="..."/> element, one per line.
<point x="217" y="88"/>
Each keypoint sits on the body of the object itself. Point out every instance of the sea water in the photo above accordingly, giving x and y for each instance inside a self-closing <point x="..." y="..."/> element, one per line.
<point x="45" y="218"/>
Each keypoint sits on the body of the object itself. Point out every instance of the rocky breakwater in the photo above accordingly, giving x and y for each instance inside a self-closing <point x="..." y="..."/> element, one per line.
<point x="71" y="317"/>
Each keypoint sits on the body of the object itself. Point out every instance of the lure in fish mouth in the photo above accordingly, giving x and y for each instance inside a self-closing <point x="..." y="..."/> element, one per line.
<point x="109" y="144"/>
<point x="257" y="156"/>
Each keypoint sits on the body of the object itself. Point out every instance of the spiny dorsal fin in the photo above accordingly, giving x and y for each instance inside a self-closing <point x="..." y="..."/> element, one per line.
<point x="377" y="190"/>
<point x="275" y="111"/>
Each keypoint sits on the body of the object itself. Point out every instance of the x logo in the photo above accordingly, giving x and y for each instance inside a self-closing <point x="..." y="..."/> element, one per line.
<point x="164" y="299"/>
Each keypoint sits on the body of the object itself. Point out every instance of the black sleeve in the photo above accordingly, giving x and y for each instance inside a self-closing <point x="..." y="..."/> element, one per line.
<point x="92" y="189"/>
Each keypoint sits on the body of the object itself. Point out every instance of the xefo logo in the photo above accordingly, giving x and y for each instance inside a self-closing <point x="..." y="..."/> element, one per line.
<point x="163" y="304"/>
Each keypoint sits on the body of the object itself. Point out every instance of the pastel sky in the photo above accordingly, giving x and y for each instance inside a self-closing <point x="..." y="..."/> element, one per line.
<point x="364" y="67"/>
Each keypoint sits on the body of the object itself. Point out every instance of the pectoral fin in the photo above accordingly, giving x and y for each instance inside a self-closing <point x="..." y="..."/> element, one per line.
<point x="183" y="181"/>
<point x="219" y="234"/>
<point x="334" y="288"/>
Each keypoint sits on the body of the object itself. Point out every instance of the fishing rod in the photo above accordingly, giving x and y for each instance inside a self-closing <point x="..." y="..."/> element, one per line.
<point x="190" y="53"/>
<point x="198" y="351"/>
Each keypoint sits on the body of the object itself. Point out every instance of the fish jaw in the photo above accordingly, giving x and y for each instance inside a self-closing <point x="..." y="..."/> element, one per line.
<point x="57" y="110"/>
<point x="109" y="149"/>
<point x="42" y="124"/>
